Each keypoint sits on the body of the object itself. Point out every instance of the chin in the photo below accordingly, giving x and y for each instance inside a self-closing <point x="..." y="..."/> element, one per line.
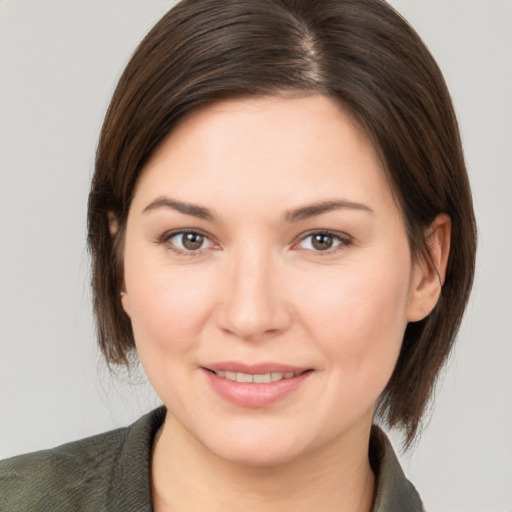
<point x="262" y="447"/>
<point x="258" y="456"/>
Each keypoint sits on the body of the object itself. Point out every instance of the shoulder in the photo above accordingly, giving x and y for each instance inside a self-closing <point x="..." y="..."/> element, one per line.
<point x="84" y="475"/>
<point x="61" y="478"/>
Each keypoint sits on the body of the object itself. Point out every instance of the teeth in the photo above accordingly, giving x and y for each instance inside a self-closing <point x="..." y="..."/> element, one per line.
<point x="264" y="378"/>
<point x="244" y="377"/>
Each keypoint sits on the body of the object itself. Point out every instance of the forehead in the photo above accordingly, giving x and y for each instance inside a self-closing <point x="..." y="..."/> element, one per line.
<point x="290" y="149"/>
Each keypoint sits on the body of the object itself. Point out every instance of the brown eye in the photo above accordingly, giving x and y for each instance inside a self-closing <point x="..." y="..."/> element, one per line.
<point x="189" y="241"/>
<point x="322" y="242"/>
<point x="192" y="241"/>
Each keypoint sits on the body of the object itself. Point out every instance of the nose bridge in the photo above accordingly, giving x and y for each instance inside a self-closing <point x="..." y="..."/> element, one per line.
<point x="253" y="304"/>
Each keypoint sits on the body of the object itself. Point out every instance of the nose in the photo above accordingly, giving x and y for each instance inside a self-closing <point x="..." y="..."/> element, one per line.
<point x="252" y="301"/>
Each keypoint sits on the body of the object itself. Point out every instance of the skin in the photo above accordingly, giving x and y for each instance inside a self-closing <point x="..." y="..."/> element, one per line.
<point x="258" y="290"/>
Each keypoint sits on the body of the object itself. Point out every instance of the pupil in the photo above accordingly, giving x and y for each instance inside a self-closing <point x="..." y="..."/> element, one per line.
<point x="322" y="242"/>
<point x="192" y="241"/>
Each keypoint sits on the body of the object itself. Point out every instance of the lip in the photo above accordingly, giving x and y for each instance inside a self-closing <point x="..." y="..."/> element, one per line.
<point x="258" y="368"/>
<point x="255" y="395"/>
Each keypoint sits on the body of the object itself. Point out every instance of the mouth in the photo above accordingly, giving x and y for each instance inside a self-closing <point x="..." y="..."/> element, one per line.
<point x="255" y="386"/>
<point x="256" y="378"/>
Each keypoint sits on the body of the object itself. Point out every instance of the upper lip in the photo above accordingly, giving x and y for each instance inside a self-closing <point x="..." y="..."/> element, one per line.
<point x="254" y="369"/>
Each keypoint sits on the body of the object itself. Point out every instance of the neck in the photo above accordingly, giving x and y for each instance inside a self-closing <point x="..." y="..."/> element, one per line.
<point x="187" y="477"/>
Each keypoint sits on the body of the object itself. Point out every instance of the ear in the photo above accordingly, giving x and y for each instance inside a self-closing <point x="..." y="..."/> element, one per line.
<point x="125" y="300"/>
<point x="113" y="224"/>
<point x="429" y="273"/>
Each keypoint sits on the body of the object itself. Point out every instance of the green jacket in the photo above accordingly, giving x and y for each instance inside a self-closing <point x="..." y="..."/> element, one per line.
<point x="111" y="472"/>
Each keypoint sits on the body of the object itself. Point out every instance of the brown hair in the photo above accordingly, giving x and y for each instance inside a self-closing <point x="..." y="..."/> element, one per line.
<point x="362" y="54"/>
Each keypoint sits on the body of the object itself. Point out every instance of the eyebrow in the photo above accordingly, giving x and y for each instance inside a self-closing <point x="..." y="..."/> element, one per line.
<point x="295" y="215"/>
<point x="187" y="208"/>
<point x="321" y="207"/>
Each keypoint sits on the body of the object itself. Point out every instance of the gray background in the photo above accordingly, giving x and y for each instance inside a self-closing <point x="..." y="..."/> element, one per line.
<point x="59" y="61"/>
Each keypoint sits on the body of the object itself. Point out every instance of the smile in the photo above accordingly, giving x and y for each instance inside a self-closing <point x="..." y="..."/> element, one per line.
<point x="258" y="378"/>
<point x="257" y="385"/>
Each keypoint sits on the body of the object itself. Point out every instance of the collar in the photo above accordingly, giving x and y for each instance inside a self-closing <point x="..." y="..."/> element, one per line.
<point x="394" y="493"/>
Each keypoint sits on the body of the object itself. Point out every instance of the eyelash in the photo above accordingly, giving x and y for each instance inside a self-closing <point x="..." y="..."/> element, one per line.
<point x="166" y="239"/>
<point x="342" y="241"/>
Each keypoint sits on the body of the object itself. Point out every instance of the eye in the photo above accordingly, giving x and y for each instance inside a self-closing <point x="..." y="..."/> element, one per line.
<point x="188" y="241"/>
<point x="323" y="242"/>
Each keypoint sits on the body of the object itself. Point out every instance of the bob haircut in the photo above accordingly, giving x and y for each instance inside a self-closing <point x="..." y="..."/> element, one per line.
<point x="360" y="53"/>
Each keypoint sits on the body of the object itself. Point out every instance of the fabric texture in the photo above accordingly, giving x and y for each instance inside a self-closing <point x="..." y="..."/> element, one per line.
<point x="111" y="472"/>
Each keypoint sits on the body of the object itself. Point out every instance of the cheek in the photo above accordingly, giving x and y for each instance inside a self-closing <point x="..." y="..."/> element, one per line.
<point x="169" y="310"/>
<point x="168" y="304"/>
<point x="358" y="317"/>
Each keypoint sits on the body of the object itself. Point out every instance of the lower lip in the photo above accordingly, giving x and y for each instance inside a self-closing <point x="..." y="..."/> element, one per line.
<point x="244" y="394"/>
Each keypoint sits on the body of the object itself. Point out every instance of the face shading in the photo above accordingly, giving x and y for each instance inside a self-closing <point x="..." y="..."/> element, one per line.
<point x="268" y="277"/>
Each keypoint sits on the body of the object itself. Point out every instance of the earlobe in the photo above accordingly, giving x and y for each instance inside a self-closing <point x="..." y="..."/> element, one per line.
<point x="113" y="223"/>
<point x="429" y="273"/>
<point x="125" y="300"/>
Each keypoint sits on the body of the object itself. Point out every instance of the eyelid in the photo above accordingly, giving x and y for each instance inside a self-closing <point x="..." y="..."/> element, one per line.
<point x="344" y="240"/>
<point x="168" y="235"/>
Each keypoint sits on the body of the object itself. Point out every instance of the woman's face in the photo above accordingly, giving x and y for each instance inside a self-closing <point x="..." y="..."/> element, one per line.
<point x="268" y="278"/>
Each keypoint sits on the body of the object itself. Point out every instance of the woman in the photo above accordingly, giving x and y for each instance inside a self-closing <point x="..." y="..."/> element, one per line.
<point x="282" y="231"/>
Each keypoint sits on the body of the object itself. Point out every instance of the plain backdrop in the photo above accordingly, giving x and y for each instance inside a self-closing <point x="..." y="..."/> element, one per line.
<point x="59" y="61"/>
